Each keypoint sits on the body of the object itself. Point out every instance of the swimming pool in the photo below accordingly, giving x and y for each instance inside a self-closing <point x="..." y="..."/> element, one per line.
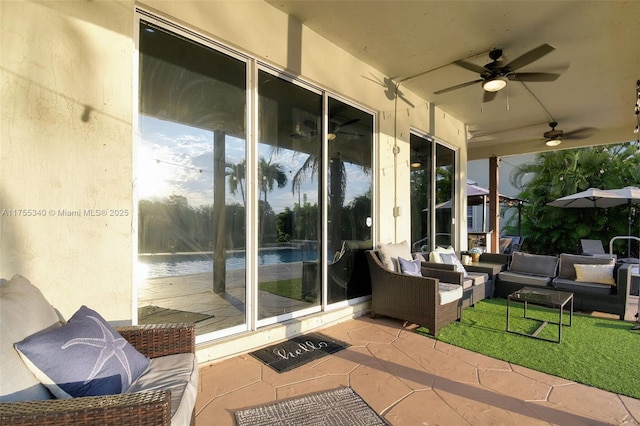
<point x="169" y="265"/>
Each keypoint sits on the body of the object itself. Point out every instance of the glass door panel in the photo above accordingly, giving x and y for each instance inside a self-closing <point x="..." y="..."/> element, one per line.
<point x="190" y="183"/>
<point x="349" y="184"/>
<point x="289" y="184"/>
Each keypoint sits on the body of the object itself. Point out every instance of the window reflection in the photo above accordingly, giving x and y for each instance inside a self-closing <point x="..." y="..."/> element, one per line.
<point x="190" y="180"/>
<point x="350" y="139"/>
<point x="288" y="194"/>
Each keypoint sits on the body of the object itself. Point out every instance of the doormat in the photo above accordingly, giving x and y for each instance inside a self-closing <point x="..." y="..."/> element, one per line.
<point x="157" y="315"/>
<point x="339" y="407"/>
<point x="298" y="351"/>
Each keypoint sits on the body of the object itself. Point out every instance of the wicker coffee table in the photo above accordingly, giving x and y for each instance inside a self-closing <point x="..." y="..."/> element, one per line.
<point x="542" y="297"/>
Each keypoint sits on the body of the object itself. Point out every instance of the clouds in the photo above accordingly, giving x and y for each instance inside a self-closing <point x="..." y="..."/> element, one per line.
<point x="175" y="159"/>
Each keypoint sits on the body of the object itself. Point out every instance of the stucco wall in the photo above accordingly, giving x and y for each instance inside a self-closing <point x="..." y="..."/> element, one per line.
<point x="66" y="151"/>
<point x="68" y="85"/>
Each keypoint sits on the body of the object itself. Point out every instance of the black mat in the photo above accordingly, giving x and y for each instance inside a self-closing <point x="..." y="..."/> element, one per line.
<point x="157" y="315"/>
<point x="298" y="351"/>
<point x="339" y="407"/>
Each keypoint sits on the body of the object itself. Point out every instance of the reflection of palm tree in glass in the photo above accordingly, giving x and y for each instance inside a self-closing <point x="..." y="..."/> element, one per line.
<point x="337" y="188"/>
<point x="270" y="174"/>
<point x="236" y="173"/>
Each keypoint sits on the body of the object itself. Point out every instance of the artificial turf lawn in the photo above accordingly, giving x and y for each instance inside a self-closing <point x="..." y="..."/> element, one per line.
<point x="599" y="352"/>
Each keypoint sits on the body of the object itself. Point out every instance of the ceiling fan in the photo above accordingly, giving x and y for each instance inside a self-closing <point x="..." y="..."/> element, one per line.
<point x="334" y="129"/>
<point x="495" y="75"/>
<point x="554" y="137"/>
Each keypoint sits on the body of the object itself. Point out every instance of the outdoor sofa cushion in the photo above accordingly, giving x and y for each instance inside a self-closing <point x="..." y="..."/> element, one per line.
<point x="176" y="373"/>
<point x="24" y="311"/>
<point x="389" y="254"/>
<point x="525" y="279"/>
<point x="567" y="277"/>
<point x="568" y="262"/>
<point x="83" y="357"/>
<point x="19" y="320"/>
<point x="534" y="264"/>
<point x="574" y="286"/>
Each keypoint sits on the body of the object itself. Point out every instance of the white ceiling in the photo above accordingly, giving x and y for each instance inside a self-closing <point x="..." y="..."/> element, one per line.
<point x="597" y="52"/>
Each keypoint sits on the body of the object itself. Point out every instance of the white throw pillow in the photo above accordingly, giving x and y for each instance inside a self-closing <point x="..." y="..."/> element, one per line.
<point x="434" y="256"/>
<point x="600" y="274"/>
<point x="389" y="254"/>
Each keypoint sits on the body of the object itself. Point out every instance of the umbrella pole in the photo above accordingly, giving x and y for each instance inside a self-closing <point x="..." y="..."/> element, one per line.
<point x="629" y="240"/>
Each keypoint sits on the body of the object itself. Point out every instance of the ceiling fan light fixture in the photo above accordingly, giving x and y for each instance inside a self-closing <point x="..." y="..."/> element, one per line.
<point x="494" y="84"/>
<point x="553" y="142"/>
<point x="416" y="164"/>
<point x="331" y="136"/>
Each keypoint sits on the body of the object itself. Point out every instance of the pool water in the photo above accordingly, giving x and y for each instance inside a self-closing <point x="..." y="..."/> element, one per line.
<point x="168" y="265"/>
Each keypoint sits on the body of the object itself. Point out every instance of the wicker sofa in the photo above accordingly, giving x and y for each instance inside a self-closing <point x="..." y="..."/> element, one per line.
<point x="559" y="272"/>
<point x="412" y="298"/>
<point x="164" y="393"/>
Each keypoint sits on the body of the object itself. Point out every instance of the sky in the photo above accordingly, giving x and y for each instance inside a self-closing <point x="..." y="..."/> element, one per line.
<point x="175" y="159"/>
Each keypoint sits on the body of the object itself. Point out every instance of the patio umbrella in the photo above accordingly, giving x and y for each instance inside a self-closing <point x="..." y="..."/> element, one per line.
<point x="602" y="198"/>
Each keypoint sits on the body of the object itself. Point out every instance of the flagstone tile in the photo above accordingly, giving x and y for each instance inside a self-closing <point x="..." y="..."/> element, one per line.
<point x="302" y="373"/>
<point x="400" y="365"/>
<point x="229" y="375"/>
<point x="423" y="408"/>
<point x="333" y="364"/>
<point x="539" y="376"/>
<point x="318" y="384"/>
<point x="472" y="358"/>
<point x="632" y="405"/>
<point x="377" y="387"/>
<point x="442" y="365"/>
<point x="513" y="384"/>
<point x="591" y="402"/>
<point x="553" y="414"/>
<point x="359" y="355"/>
<point x="482" y="406"/>
<point x="220" y="411"/>
<point x="373" y="334"/>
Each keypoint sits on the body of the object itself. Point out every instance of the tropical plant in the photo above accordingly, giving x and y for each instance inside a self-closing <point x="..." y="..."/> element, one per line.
<point x="555" y="174"/>
<point x="236" y="174"/>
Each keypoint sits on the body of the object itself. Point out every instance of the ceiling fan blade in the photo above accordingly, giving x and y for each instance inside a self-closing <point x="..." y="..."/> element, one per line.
<point x="488" y="96"/>
<point x="346" y="123"/>
<point x="535" y="76"/>
<point x="583" y="132"/>
<point x="530" y="56"/>
<point x="471" y="67"/>
<point x="457" y="86"/>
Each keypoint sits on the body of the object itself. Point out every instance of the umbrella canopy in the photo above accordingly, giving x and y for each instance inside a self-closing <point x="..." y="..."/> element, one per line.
<point x="603" y="198"/>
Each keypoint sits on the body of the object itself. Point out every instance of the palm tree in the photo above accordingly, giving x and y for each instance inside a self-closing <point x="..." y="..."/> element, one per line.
<point x="269" y="175"/>
<point x="237" y="173"/>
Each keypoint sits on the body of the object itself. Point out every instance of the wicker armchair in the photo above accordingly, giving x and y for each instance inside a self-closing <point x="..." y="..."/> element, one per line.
<point x="409" y="298"/>
<point x="142" y="408"/>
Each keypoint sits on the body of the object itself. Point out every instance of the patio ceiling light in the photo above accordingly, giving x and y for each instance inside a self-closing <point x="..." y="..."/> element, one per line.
<point x="553" y="142"/>
<point x="494" y="84"/>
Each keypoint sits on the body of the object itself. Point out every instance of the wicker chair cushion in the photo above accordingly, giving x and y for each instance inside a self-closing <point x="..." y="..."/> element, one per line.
<point x="449" y="292"/>
<point x="23" y="311"/>
<point x="178" y="373"/>
<point x="389" y="254"/>
<point x="84" y="357"/>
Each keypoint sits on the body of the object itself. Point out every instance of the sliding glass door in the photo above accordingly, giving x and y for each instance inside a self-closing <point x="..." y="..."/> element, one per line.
<point x="237" y="230"/>
<point x="432" y="194"/>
